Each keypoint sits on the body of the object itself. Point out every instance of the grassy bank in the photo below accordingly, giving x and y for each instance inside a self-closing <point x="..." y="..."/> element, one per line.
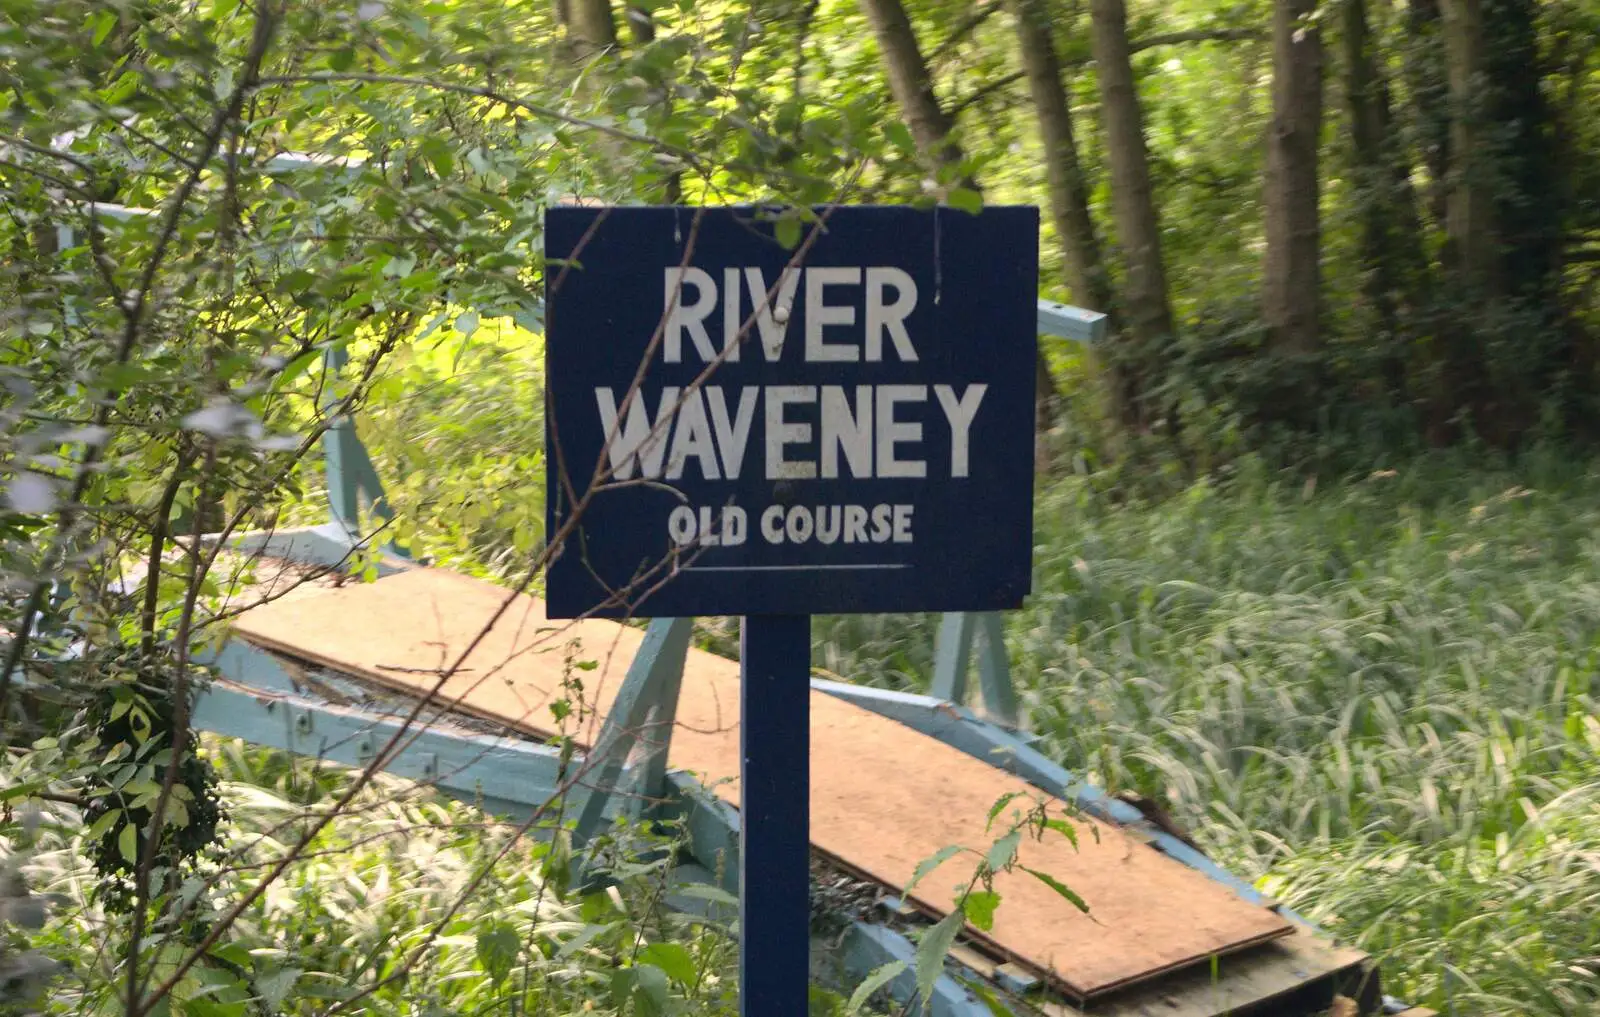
<point x="1378" y="696"/>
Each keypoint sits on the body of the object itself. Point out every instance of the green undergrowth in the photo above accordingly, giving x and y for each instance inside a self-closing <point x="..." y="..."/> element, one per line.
<point x="407" y="904"/>
<point x="1376" y="696"/>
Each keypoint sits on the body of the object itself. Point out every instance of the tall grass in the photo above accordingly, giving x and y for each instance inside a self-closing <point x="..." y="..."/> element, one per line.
<point x="1377" y="697"/>
<point x="1376" y="694"/>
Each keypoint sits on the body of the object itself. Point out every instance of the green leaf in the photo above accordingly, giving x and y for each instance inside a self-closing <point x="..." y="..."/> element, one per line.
<point x="1001" y="803"/>
<point x="986" y="994"/>
<point x="673" y="958"/>
<point x="1003" y="851"/>
<point x="787" y="230"/>
<point x="295" y="368"/>
<point x="932" y="949"/>
<point x="103" y="24"/>
<point x="979" y="908"/>
<point x="467" y="323"/>
<point x="927" y="865"/>
<point x="439" y="156"/>
<point x="497" y="947"/>
<point x="622" y="982"/>
<point x="1064" y="828"/>
<point x="128" y="843"/>
<point x="275" y="986"/>
<point x="900" y="137"/>
<point x="1059" y="887"/>
<point x="101" y="827"/>
<point x="21" y="791"/>
<point x="399" y="266"/>
<point x="651" y="993"/>
<point x="965" y="199"/>
<point x="714" y="894"/>
<point x="880" y="976"/>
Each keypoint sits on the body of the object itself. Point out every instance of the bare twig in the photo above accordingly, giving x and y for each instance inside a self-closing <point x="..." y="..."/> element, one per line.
<point x="979" y="14"/>
<point x="983" y="92"/>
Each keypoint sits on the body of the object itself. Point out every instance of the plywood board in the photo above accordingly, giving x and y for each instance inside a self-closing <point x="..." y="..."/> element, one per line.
<point x="1240" y="984"/>
<point x="883" y="799"/>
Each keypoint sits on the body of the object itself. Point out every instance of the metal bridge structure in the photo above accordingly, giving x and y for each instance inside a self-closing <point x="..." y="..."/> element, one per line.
<point x="334" y="672"/>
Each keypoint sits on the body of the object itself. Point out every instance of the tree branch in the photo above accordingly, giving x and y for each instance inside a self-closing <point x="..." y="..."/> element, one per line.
<point x="967" y="26"/>
<point x="984" y="91"/>
<point x="1135" y="46"/>
<point x="1196" y="35"/>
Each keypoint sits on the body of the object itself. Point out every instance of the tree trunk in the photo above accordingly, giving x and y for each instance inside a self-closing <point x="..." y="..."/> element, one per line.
<point x="930" y="128"/>
<point x="1148" y="314"/>
<point x="592" y="29"/>
<point x="1430" y="98"/>
<point x="1068" y="192"/>
<point x="1292" y="281"/>
<point x="911" y="84"/>
<point x="1529" y="196"/>
<point x="1468" y="203"/>
<point x="1391" y="242"/>
<point x="640" y="24"/>
<point x="1085" y="266"/>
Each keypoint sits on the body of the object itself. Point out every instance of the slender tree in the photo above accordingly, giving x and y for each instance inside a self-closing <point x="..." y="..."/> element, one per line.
<point x="1146" y="307"/>
<point x="590" y="26"/>
<point x="912" y="84"/>
<point x="1068" y="191"/>
<point x="1081" y="254"/>
<point x="931" y="128"/>
<point x="1429" y="94"/>
<point x="1468" y="205"/>
<point x="1391" y="241"/>
<point x="1292" y="280"/>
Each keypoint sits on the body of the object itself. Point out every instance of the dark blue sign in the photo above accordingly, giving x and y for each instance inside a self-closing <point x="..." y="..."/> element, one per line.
<point x="846" y="426"/>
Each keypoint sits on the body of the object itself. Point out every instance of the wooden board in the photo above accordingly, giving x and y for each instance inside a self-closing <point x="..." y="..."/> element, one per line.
<point x="1241" y="983"/>
<point x="884" y="797"/>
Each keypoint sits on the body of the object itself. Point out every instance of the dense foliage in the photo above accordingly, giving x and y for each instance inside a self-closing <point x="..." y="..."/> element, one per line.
<point x="1326" y="234"/>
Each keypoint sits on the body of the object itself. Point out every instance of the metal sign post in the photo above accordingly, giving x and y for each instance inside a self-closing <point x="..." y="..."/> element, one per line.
<point x="774" y="822"/>
<point x="842" y="428"/>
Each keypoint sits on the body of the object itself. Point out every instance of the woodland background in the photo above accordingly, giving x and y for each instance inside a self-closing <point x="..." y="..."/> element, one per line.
<point x="1317" y="562"/>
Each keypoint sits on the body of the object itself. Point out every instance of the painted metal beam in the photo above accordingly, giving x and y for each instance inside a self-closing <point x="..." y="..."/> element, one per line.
<point x="506" y="776"/>
<point x="347" y="464"/>
<point x="959" y="634"/>
<point x="712" y="826"/>
<point x="1063" y="321"/>
<point x="641" y="718"/>
<point x="868" y="946"/>
<point x="1069" y="322"/>
<point x="330" y="545"/>
<point x="302" y="162"/>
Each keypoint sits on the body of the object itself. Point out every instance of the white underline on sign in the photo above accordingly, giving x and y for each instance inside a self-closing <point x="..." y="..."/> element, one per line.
<point x="788" y="568"/>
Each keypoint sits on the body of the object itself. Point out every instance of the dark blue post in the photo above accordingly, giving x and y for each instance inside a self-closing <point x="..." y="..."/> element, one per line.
<point x="775" y="815"/>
